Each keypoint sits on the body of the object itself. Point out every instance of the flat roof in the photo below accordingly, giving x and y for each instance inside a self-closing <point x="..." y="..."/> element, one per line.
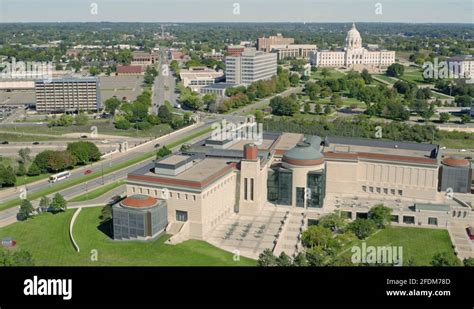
<point x="432" y="207"/>
<point x="174" y="159"/>
<point x="288" y="141"/>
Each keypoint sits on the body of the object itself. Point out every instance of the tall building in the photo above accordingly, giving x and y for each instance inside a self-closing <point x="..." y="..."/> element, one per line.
<point x="68" y="95"/>
<point x="250" y="66"/>
<point x="354" y="55"/>
<point x="264" y="44"/>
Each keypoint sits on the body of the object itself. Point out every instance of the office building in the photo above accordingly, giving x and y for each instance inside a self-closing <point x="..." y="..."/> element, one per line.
<point x="250" y="66"/>
<point x="264" y="44"/>
<point x="294" y="51"/>
<point x="68" y="95"/>
<point x="198" y="77"/>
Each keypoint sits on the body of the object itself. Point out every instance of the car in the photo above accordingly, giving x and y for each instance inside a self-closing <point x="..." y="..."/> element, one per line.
<point x="35" y="143"/>
<point x="87" y="172"/>
<point x="157" y="145"/>
<point x="462" y="150"/>
<point x="470" y="233"/>
<point x="104" y="141"/>
<point x="83" y="136"/>
<point x="444" y="147"/>
<point x="5" y="143"/>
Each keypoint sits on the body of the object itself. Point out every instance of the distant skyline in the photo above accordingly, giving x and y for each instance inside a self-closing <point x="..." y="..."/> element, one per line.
<point x="410" y="11"/>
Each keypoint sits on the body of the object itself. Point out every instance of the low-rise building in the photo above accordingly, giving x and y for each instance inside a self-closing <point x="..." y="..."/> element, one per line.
<point x="218" y="88"/>
<point x="198" y="77"/>
<point x="264" y="44"/>
<point x="144" y="58"/>
<point x="129" y="70"/>
<point x="294" y="51"/>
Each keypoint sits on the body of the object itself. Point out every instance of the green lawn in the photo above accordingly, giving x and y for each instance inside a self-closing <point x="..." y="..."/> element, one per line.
<point x="333" y="73"/>
<point x="386" y="78"/>
<point x="46" y="237"/>
<point x="97" y="192"/>
<point x="20" y="137"/>
<point x="413" y="75"/>
<point x="104" y="126"/>
<point x="418" y="243"/>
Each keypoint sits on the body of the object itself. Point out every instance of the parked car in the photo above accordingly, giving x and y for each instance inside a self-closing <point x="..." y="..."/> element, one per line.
<point x="470" y="232"/>
<point x="5" y="143"/>
<point x="87" y="172"/>
<point x="157" y="145"/>
<point x="35" y="143"/>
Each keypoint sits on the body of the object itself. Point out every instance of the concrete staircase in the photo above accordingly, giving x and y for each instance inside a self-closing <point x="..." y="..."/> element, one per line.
<point x="463" y="246"/>
<point x="290" y="238"/>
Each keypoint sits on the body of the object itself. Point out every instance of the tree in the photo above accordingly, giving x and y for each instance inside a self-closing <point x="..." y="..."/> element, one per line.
<point x="34" y="170"/>
<point x="325" y="73"/>
<point x="45" y="202"/>
<point x="209" y="100"/>
<point x="445" y="259"/>
<point x="444" y="117"/>
<point x="24" y="154"/>
<point x="111" y="105"/>
<point x="300" y="260"/>
<point x="165" y="114"/>
<point x="84" y="152"/>
<point x="328" y="109"/>
<point x="17" y="258"/>
<point x="294" y="79"/>
<point x="307" y="108"/>
<point x="7" y="176"/>
<point x="21" y="171"/>
<point x="317" y="236"/>
<point x="123" y="124"/>
<point x="82" y="119"/>
<point x="163" y="152"/>
<point x="334" y="222"/>
<point x="381" y="215"/>
<point x="395" y="70"/>
<point x="283" y="260"/>
<point x="316" y="257"/>
<point x="284" y="106"/>
<point x="466" y="118"/>
<point x="318" y="109"/>
<point x="266" y="258"/>
<point x="58" y="203"/>
<point x="26" y="210"/>
<point x="468" y="262"/>
<point x="362" y="228"/>
<point x="366" y="76"/>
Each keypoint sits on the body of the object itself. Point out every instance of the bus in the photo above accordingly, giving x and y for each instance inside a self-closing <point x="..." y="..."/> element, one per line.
<point x="60" y="176"/>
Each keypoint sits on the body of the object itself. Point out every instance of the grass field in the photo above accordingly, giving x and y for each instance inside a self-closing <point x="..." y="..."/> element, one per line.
<point x="97" y="192"/>
<point x="418" y="243"/>
<point x="104" y="126"/>
<point x="413" y="75"/>
<point x="386" y="78"/>
<point x="46" y="237"/>
<point x="15" y="137"/>
<point x="333" y="73"/>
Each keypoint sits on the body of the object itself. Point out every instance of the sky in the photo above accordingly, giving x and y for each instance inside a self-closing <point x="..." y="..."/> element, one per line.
<point x="411" y="11"/>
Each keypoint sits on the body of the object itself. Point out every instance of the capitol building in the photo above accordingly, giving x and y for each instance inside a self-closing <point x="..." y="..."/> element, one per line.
<point x="354" y="55"/>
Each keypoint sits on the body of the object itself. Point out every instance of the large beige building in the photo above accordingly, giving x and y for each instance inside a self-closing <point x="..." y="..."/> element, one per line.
<point x="198" y="77"/>
<point x="220" y="177"/>
<point x="264" y="44"/>
<point x="354" y="55"/>
<point x="250" y="66"/>
<point x="294" y="51"/>
<point x="68" y="95"/>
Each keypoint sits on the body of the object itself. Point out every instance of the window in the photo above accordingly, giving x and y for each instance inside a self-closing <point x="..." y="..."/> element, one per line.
<point x="181" y="216"/>
<point x="378" y="190"/>
<point x="245" y="189"/>
<point x="392" y="191"/>
<point x="300" y="193"/>
<point x="408" y="219"/>
<point x="364" y="188"/>
<point x="432" y="221"/>
<point x="400" y="192"/>
<point x="251" y="189"/>
<point x="371" y="189"/>
<point x="385" y="191"/>
<point x="394" y="218"/>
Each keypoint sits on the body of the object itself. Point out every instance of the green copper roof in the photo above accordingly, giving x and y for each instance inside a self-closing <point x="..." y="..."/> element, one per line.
<point x="307" y="150"/>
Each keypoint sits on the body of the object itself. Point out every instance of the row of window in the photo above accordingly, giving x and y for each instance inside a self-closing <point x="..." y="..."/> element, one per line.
<point x="380" y="190"/>
<point x="248" y="191"/>
<point x="164" y="193"/>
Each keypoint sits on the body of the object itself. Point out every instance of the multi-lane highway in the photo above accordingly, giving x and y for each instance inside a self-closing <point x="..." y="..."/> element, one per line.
<point x="165" y="84"/>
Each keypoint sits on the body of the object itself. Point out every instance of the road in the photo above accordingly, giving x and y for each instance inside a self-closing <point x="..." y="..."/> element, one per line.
<point x="8" y="216"/>
<point x="165" y="84"/>
<point x="96" y="168"/>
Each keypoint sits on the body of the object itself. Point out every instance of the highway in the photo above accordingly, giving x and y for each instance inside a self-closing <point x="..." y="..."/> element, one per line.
<point x="165" y="84"/>
<point x="96" y="168"/>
